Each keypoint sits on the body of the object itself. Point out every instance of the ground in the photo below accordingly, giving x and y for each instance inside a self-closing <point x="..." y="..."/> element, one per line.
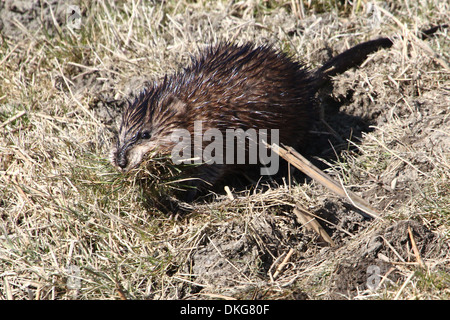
<point x="72" y="227"/>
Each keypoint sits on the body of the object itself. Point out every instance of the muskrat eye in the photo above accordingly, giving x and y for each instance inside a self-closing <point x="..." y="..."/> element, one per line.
<point x="145" y="135"/>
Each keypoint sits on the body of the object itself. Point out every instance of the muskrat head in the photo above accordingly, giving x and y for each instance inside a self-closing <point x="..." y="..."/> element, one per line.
<point x="131" y="147"/>
<point x="146" y="127"/>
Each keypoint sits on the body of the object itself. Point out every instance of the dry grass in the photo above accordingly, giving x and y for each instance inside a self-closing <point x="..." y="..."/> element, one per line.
<point x="63" y="205"/>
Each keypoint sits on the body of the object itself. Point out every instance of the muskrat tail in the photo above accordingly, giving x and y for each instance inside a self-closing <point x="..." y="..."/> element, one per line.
<point x="356" y="55"/>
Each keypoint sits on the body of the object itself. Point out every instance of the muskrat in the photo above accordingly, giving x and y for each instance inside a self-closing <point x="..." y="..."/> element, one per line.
<point x="239" y="87"/>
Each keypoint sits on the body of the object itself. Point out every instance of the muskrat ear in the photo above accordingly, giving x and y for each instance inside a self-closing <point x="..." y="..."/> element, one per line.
<point x="176" y="104"/>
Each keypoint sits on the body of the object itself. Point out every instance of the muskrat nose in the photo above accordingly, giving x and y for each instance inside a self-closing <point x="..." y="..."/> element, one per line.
<point x="122" y="162"/>
<point x="121" y="159"/>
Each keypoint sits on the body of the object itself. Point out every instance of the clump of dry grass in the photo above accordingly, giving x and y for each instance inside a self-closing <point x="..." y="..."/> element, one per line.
<point x="71" y="227"/>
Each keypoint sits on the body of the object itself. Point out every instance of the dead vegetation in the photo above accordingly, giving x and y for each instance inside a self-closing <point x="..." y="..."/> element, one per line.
<point x="71" y="227"/>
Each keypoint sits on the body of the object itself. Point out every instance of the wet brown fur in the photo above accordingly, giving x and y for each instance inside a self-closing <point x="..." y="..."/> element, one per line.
<point x="227" y="87"/>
